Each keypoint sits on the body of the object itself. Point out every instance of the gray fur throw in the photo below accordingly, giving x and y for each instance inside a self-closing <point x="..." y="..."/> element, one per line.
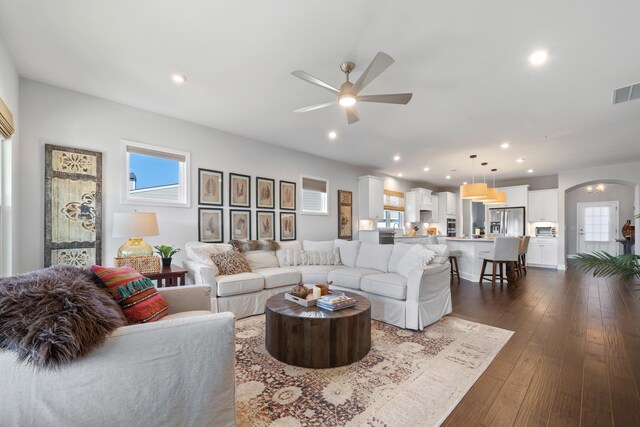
<point x="51" y="317"/>
<point x="254" y="245"/>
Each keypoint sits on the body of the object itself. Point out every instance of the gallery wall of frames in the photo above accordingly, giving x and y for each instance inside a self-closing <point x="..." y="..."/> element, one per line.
<point x="232" y="192"/>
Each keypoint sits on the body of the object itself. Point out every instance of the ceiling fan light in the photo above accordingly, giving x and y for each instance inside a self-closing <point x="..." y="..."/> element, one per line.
<point x="473" y="191"/>
<point x="347" y="100"/>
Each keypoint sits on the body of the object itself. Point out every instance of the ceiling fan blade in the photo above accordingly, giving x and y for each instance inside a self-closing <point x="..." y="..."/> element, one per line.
<point x="381" y="62"/>
<point x="315" y="81"/>
<point x="315" y="107"/>
<point x="393" y="98"/>
<point x="352" y="115"/>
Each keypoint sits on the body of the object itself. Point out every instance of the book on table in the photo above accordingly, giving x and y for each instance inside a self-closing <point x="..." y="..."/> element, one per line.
<point x="335" y="301"/>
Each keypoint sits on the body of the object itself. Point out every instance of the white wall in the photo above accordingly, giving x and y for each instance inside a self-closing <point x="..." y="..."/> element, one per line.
<point x="9" y="88"/>
<point x="56" y="115"/>
<point x="623" y="194"/>
<point x="623" y="173"/>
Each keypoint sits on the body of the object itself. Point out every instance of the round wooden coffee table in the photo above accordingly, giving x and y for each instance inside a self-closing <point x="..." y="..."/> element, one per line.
<point x="316" y="338"/>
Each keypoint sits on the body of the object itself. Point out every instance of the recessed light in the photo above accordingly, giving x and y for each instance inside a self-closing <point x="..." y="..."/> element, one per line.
<point x="400" y="175"/>
<point x="426" y="169"/>
<point x="465" y="183"/>
<point x="333" y="135"/>
<point x="530" y="171"/>
<point x="505" y="145"/>
<point x="178" y="78"/>
<point x="520" y="160"/>
<point x="448" y="176"/>
<point x="396" y="157"/>
<point x="538" y="57"/>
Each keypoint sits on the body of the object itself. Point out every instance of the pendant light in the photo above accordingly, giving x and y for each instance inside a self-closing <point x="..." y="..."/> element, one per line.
<point x="492" y="192"/>
<point x="473" y="191"/>
<point x="500" y="196"/>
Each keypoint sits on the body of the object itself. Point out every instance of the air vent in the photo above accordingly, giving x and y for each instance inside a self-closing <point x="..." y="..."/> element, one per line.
<point x="627" y="93"/>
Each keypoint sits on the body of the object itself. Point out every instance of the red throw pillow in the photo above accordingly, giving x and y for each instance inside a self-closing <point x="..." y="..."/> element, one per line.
<point x="138" y="298"/>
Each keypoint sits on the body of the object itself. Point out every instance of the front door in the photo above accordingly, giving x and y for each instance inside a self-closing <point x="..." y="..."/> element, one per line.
<point x="598" y="227"/>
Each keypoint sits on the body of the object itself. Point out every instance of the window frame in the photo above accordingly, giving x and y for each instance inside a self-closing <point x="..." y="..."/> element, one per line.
<point x="326" y="181"/>
<point x="184" y="175"/>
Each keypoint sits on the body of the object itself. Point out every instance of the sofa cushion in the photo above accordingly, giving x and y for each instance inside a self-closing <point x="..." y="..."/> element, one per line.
<point x="202" y="252"/>
<point x="399" y="249"/>
<point x="280" y="253"/>
<point x="261" y="259"/>
<point x="309" y="245"/>
<point x="184" y="314"/>
<point x="416" y="258"/>
<point x="442" y="253"/>
<point x="243" y="283"/>
<point x="349" y="277"/>
<point x="229" y="263"/>
<point x="314" y="274"/>
<point x="348" y="251"/>
<point x="320" y="257"/>
<point x="387" y="285"/>
<point x="276" y="277"/>
<point x="374" y="255"/>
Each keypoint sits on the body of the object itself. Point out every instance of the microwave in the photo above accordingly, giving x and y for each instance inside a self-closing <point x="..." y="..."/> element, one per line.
<point x="545" y="232"/>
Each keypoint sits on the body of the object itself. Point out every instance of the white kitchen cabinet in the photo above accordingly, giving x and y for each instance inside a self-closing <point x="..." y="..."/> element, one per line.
<point x="370" y="197"/>
<point x="447" y="204"/>
<point x="543" y="206"/>
<point x="516" y="196"/>
<point x="419" y="199"/>
<point x="543" y="252"/>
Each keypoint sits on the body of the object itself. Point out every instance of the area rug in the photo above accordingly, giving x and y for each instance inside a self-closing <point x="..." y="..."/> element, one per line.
<point x="408" y="378"/>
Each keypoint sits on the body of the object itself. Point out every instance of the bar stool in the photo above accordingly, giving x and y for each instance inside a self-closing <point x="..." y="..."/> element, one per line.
<point x="453" y="261"/>
<point x="505" y="249"/>
<point x="522" y="256"/>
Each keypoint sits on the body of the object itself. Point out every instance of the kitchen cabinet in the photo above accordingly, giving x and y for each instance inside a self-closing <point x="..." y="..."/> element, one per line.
<point x="516" y="196"/>
<point x="370" y="197"/>
<point x="447" y="204"/>
<point x="543" y="252"/>
<point x="419" y="199"/>
<point x="543" y="206"/>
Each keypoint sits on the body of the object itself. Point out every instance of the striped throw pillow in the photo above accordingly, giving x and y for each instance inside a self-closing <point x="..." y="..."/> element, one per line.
<point x="136" y="294"/>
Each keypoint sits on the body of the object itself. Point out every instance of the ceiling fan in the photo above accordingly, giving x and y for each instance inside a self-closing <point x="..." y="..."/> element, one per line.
<point x="348" y="96"/>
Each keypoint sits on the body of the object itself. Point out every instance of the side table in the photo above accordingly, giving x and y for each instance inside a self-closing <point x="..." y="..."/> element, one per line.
<point x="169" y="276"/>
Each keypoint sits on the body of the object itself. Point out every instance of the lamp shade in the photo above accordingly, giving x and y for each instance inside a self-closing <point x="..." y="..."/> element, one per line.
<point x="473" y="191"/>
<point x="492" y="196"/>
<point x="501" y="199"/>
<point x="135" y="224"/>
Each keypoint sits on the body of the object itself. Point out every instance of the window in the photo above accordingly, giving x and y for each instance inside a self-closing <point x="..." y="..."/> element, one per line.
<point x="596" y="224"/>
<point x="155" y="175"/>
<point x="314" y="196"/>
<point x="392" y="219"/>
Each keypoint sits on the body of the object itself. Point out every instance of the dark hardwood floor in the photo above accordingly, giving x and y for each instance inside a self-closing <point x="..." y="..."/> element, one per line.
<point x="574" y="359"/>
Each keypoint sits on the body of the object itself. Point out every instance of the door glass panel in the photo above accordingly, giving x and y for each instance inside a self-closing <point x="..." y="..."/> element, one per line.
<point x="596" y="224"/>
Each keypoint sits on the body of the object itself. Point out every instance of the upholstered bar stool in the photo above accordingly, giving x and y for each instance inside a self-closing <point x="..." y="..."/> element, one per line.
<point x="453" y="261"/>
<point x="522" y="256"/>
<point x="505" y="249"/>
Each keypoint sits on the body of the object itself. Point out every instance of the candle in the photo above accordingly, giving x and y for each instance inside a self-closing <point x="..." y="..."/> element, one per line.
<point x="317" y="292"/>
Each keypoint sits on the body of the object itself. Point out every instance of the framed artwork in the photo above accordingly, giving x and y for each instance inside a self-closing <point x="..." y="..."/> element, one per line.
<point x="265" y="193"/>
<point x="288" y="195"/>
<point x="210" y="225"/>
<point x="210" y="189"/>
<point x="345" y="224"/>
<point x="239" y="190"/>
<point x="266" y="225"/>
<point x="72" y="206"/>
<point x="240" y="223"/>
<point x="287" y="226"/>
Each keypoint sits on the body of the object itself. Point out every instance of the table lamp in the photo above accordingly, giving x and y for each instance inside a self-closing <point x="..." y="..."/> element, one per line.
<point x="135" y="226"/>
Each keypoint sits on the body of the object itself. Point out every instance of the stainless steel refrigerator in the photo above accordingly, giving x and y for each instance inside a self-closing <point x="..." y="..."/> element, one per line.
<point x="507" y="221"/>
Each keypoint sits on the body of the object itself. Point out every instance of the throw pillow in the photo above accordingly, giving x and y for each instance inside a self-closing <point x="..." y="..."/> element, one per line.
<point x="295" y="257"/>
<point x="202" y="252"/>
<point x="441" y="251"/>
<point x="232" y="262"/>
<point x="53" y="316"/>
<point x="136" y="294"/>
<point x="417" y="257"/>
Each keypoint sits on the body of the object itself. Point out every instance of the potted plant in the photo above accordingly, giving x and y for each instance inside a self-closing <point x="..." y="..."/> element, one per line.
<point x="166" y="253"/>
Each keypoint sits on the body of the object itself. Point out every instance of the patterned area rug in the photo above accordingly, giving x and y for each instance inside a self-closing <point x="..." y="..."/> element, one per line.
<point x="408" y="378"/>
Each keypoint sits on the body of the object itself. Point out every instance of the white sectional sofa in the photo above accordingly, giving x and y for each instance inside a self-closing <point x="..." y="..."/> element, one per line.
<point x="369" y="269"/>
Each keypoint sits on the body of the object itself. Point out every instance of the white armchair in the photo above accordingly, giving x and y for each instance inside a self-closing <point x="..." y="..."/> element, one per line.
<point x="179" y="371"/>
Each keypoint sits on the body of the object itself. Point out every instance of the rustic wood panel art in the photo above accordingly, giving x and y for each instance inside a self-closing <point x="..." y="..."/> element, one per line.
<point x="345" y="206"/>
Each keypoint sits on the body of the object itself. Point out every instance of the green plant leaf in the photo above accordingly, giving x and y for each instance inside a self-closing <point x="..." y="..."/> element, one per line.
<point x="606" y="265"/>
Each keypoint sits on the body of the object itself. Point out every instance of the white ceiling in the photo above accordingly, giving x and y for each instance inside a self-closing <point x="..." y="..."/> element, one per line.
<point x="464" y="61"/>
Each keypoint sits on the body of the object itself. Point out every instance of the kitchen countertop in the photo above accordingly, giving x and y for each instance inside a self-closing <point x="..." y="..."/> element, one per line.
<point x="468" y="239"/>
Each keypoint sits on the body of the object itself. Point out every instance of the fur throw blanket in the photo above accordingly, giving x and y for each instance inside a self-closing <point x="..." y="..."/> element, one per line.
<point x="254" y="245"/>
<point x="52" y="316"/>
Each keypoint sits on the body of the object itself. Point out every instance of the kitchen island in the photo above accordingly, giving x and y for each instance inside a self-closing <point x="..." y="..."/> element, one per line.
<point x="469" y="263"/>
